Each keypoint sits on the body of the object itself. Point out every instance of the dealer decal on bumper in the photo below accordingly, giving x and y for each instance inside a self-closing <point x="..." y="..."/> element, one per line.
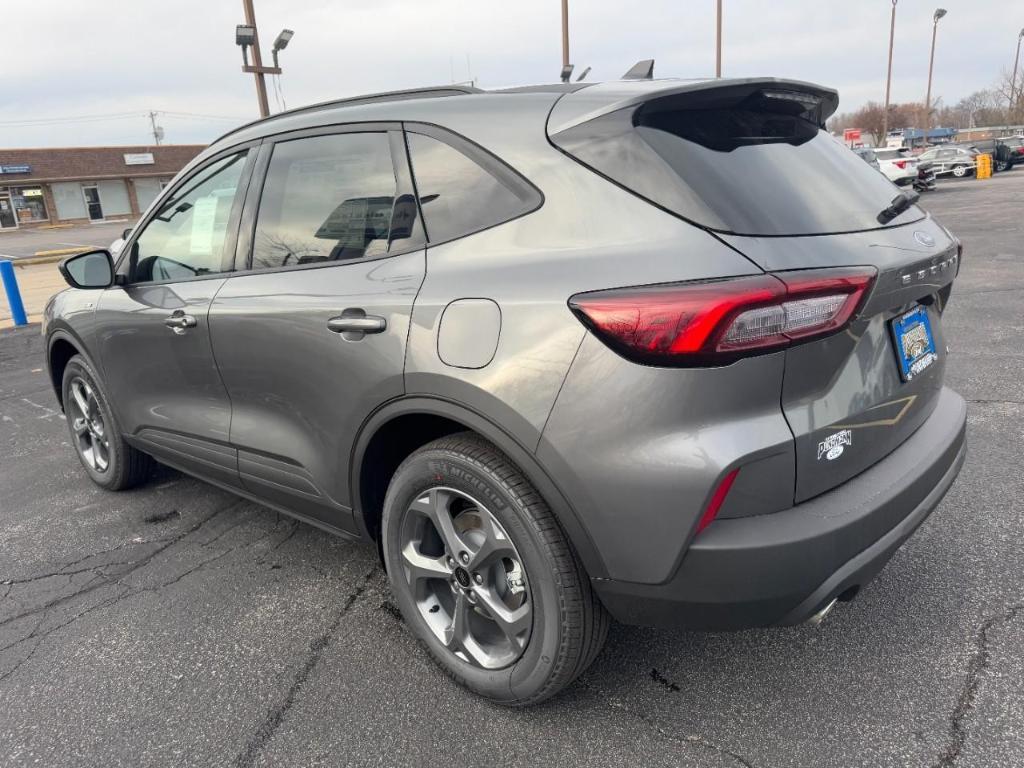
<point x="832" y="446"/>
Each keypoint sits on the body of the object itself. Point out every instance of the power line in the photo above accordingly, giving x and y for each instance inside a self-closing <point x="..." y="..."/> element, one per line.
<point x="67" y="119"/>
<point x="197" y="114"/>
<point x="70" y="119"/>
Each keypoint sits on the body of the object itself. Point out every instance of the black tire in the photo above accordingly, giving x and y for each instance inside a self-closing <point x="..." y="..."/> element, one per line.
<point x="960" y="170"/>
<point x="126" y="466"/>
<point x="569" y="623"/>
<point x="1002" y="166"/>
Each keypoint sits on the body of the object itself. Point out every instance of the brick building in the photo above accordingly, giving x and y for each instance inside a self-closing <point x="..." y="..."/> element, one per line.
<point x="81" y="184"/>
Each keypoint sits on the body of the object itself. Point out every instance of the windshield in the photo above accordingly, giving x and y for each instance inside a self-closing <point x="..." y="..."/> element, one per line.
<point x="742" y="169"/>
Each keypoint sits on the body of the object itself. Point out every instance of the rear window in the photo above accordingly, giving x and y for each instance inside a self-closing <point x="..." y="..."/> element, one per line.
<point x="759" y="166"/>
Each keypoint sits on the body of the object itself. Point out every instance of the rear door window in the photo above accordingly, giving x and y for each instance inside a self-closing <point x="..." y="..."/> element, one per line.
<point x="326" y="198"/>
<point x="458" y="194"/>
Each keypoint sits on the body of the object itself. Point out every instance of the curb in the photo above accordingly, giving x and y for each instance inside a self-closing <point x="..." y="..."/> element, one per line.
<point x="62" y="251"/>
<point x="28" y="261"/>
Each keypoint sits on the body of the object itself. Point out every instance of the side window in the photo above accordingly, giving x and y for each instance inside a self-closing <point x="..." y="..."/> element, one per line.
<point x="326" y="198"/>
<point x="458" y="196"/>
<point x="187" y="236"/>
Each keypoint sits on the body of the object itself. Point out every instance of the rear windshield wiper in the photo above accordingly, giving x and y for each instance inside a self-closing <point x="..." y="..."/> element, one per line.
<point x="899" y="204"/>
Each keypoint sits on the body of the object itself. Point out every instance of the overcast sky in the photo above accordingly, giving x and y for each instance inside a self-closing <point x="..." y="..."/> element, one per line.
<point x="73" y="59"/>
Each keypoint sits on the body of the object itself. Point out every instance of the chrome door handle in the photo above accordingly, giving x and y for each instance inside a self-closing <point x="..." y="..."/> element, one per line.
<point x="353" y="324"/>
<point x="179" y="322"/>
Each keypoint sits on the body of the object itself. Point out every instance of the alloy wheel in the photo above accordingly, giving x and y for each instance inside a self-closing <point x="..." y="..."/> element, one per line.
<point x="466" y="578"/>
<point x="86" y="420"/>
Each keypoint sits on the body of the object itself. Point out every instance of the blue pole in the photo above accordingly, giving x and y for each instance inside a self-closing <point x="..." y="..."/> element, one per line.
<point x="13" y="294"/>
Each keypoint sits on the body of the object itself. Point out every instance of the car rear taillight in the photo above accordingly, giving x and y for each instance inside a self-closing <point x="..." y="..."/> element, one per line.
<point x="716" y="322"/>
<point x="900" y="163"/>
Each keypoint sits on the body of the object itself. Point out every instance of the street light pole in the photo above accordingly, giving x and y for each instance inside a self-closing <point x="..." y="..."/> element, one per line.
<point x="1013" y="80"/>
<point x="888" y="78"/>
<point x="718" y="39"/>
<point x="565" y="34"/>
<point x="257" y="60"/>
<point x="939" y="13"/>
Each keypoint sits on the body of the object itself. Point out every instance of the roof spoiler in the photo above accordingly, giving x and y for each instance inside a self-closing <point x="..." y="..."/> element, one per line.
<point x="613" y="96"/>
<point x="642" y="70"/>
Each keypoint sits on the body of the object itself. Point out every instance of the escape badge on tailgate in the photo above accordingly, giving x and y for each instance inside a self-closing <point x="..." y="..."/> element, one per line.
<point x="832" y="446"/>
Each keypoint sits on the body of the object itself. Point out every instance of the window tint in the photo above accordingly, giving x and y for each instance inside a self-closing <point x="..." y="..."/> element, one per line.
<point x="457" y="195"/>
<point x="756" y="169"/>
<point x="326" y="198"/>
<point x="187" y="236"/>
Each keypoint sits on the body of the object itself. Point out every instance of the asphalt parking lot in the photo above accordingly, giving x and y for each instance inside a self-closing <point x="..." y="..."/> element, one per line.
<point x="20" y="243"/>
<point x="177" y="624"/>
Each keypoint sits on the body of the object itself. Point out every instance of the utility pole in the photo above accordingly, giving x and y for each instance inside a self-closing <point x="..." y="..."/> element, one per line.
<point x="939" y="13"/>
<point x="718" y="40"/>
<point x="257" y="68"/>
<point x="158" y="132"/>
<point x="888" y="79"/>
<point x="1013" y="80"/>
<point x="565" y="34"/>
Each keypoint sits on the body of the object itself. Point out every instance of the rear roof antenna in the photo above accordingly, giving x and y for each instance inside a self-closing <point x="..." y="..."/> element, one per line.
<point x="642" y="70"/>
<point x="583" y="74"/>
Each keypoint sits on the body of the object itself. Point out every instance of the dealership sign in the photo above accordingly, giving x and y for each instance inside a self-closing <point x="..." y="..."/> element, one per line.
<point x="139" y="158"/>
<point x="15" y="169"/>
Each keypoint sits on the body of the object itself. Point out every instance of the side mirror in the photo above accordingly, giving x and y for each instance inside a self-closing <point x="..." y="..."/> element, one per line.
<point x="90" y="270"/>
<point x="125" y="234"/>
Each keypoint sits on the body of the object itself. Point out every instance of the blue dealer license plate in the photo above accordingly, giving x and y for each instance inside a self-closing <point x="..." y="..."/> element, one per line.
<point x="915" y="344"/>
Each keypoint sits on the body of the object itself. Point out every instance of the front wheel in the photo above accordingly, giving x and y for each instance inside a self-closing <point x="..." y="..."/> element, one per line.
<point x="959" y="171"/>
<point x="109" y="461"/>
<point x="484" y="575"/>
<point x="1002" y="165"/>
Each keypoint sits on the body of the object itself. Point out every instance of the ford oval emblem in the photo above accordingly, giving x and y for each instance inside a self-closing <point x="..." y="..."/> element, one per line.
<point x="924" y="239"/>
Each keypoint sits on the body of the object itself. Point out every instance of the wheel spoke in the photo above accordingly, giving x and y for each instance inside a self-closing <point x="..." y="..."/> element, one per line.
<point x="419" y="566"/>
<point x="81" y="398"/>
<point x="513" y="622"/>
<point x="80" y="425"/>
<point x="455" y="633"/>
<point x="434" y="505"/>
<point x="101" y="454"/>
<point x="493" y="547"/>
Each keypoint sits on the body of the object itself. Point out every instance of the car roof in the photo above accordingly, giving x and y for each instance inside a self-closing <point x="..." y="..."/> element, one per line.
<point x="603" y="96"/>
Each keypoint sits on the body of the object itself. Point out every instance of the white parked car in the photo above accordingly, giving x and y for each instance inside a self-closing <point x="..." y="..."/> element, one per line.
<point x="897" y="165"/>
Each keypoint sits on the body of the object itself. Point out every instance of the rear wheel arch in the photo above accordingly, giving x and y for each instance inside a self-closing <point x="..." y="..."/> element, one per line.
<point x="402" y="426"/>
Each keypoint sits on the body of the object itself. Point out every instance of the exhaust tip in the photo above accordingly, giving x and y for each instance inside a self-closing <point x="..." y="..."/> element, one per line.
<point x="819" y="617"/>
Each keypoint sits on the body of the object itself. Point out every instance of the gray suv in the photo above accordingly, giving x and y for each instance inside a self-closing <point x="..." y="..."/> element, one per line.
<point x="657" y="351"/>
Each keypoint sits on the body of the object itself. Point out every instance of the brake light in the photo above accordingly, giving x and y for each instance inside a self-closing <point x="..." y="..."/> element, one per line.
<point x="900" y="163"/>
<point x="716" y="322"/>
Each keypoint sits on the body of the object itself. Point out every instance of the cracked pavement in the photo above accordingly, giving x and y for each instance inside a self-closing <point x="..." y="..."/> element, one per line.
<point x="178" y="624"/>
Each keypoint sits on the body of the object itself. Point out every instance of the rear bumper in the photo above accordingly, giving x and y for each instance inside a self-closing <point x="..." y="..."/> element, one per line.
<point x="782" y="568"/>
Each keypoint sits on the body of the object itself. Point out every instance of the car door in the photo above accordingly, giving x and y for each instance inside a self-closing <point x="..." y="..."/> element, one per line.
<point x="152" y="328"/>
<point x="945" y="158"/>
<point x="310" y="338"/>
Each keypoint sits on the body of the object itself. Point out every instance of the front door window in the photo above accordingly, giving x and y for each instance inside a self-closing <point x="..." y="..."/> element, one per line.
<point x="92" y="203"/>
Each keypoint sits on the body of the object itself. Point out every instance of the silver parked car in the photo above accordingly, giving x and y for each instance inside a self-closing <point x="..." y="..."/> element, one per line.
<point x="655" y="350"/>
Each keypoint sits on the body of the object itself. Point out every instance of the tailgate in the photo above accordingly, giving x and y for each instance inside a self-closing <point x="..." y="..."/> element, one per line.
<point x="844" y="396"/>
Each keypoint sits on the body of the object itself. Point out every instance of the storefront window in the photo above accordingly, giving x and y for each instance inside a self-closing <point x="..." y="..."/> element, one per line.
<point x="29" y="204"/>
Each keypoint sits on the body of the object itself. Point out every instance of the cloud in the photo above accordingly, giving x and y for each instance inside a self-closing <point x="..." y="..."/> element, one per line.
<point x="65" y="58"/>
